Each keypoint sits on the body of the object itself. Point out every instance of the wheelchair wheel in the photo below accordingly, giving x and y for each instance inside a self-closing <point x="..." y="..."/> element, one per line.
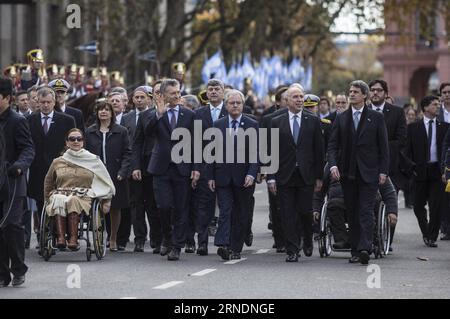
<point x="46" y="231"/>
<point x="98" y="230"/>
<point x="383" y="231"/>
<point x="325" y="233"/>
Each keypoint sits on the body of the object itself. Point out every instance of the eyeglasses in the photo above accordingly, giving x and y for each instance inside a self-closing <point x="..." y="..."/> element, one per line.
<point x="376" y="90"/>
<point x="75" y="138"/>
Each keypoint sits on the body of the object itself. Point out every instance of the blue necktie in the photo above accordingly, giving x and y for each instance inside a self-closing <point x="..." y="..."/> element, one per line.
<point x="356" y="119"/>
<point x="173" y="120"/>
<point x="296" y="129"/>
<point x="214" y="114"/>
<point x="234" y="124"/>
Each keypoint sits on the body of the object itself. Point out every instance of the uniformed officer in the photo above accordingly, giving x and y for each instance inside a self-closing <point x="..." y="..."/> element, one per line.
<point x="311" y="103"/>
<point x="61" y="86"/>
<point x="33" y="74"/>
<point x="178" y="72"/>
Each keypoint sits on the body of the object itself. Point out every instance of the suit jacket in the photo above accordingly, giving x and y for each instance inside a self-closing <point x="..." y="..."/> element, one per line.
<point x="227" y="174"/>
<point x="369" y="145"/>
<point x="19" y="148"/>
<point x="332" y="117"/>
<point x="441" y="117"/>
<point x="395" y="120"/>
<point x="77" y="115"/>
<point x="142" y="145"/>
<point x="47" y="148"/>
<point x="161" y="153"/>
<point x="129" y="121"/>
<point x="416" y="150"/>
<point x="308" y="153"/>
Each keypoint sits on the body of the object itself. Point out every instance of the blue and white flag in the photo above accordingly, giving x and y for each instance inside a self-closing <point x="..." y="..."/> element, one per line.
<point x="91" y="47"/>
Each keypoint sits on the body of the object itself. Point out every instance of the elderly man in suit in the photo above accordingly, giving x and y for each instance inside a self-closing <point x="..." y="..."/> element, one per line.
<point x="171" y="180"/>
<point x="300" y="172"/>
<point x="233" y="178"/>
<point x="358" y="155"/>
<point x="61" y="86"/>
<point x="16" y="155"/>
<point x="48" y="131"/>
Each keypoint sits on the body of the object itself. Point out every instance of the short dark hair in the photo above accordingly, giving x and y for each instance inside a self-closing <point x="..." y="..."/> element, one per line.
<point x="101" y="106"/>
<point x="6" y="87"/>
<point x="427" y="100"/>
<point x="383" y="84"/>
<point x="21" y="92"/>
<point x="324" y="98"/>
<point x="442" y="86"/>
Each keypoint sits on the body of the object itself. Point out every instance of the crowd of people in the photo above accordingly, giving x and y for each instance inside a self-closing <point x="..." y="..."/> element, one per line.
<point x="347" y="151"/>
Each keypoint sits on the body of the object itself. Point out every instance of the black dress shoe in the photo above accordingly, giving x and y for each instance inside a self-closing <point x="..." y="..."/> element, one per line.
<point x="235" y="256"/>
<point x="364" y="257"/>
<point x="308" y="250"/>
<point x="202" y="250"/>
<point x="432" y="243"/>
<point x="281" y="249"/>
<point x="189" y="249"/>
<point x="354" y="260"/>
<point x="165" y="250"/>
<point x="153" y="244"/>
<point x="4" y="283"/>
<point x="139" y="248"/>
<point x="292" y="258"/>
<point x="121" y="247"/>
<point x="426" y="241"/>
<point x="157" y="250"/>
<point x="224" y="253"/>
<point x="445" y="237"/>
<point x="390" y="249"/>
<point x="249" y="240"/>
<point x="174" y="254"/>
<point x="18" y="280"/>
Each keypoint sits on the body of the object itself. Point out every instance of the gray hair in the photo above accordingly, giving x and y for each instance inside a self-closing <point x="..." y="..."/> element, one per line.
<point x="215" y="82"/>
<point x="119" y="89"/>
<point x="46" y="90"/>
<point x="192" y="101"/>
<point x="234" y="92"/>
<point x="362" y="86"/>
<point x="168" y="82"/>
<point x="298" y="86"/>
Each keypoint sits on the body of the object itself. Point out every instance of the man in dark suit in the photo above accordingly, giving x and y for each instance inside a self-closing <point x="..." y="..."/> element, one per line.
<point x="301" y="157"/>
<point x="274" y="207"/>
<point x="61" y="86"/>
<point x="206" y="199"/>
<point x="141" y="192"/>
<point x="16" y="155"/>
<point x="358" y="154"/>
<point x="341" y="104"/>
<point x="142" y="152"/>
<point x="171" y="180"/>
<point x="395" y="120"/>
<point x="233" y="177"/>
<point x="48" y="131"/>
<point x="424" y="154"/>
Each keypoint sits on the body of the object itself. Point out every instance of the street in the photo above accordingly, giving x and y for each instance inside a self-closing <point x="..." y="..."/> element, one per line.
<point x="260" y="274"/>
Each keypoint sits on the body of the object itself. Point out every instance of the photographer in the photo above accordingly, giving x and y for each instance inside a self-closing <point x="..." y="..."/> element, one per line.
<point x="16" y="155"/>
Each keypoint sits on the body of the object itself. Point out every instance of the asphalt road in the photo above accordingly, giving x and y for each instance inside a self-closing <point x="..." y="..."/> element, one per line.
<point x="261" y="274"/>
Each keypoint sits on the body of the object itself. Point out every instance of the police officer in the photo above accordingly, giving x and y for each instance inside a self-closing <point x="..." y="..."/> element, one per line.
<point x="61" y="86"/>
<point x="311" y="103"/>
<point x="16" y="155"/>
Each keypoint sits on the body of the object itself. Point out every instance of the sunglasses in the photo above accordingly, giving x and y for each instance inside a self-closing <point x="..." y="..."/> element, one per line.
<point x="75" y="138"/>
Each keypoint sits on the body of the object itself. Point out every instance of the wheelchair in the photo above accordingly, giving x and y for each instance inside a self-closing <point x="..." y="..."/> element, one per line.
<point x="382" y="232"/>
<point x="91" y="229"/>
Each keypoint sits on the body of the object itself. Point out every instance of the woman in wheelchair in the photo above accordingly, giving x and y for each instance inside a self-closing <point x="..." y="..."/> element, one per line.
<point x="72" y="181"/>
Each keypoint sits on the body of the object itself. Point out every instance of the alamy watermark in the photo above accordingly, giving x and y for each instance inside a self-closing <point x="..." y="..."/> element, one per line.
<point x="73" y="20"/>
<point x="74" y="279"/>
<point x="240" y="146"/>
<point x="374" y="279"/>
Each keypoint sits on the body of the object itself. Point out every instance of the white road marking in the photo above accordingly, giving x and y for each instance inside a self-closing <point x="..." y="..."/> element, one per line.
<point x="168" y="285"/>
<point x="261" y="251"/>
<point x="203" y="272"/>
<point x="232" y="262"/>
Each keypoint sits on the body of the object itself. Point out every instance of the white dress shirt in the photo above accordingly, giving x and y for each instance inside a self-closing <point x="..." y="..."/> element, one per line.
<point x="380" y="107"/>
<point x="217" y="108"/>
<point x="433" y="149"/>
<point x="49" y="120"/>
<point x="291" y="120"/>
<point x="446" y="114"/>
<point x="119" y="118"/>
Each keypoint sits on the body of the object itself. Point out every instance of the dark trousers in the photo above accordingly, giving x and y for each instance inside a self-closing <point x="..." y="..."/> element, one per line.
<point x="431" y="191"/>
<point x="26" y="222"/>
<point x="206" y="206"/>
<point x="234" y="216"/>
<point x="12" y="245"/>
<point x="123" y="234"/>
<point x="338" y="217"/>
<point x="295" y="199"/>
<point x="144" y="204"/>
<point x="360" y="202"/>
<point x="275" y="218"/>
<point x="172" y="195"/>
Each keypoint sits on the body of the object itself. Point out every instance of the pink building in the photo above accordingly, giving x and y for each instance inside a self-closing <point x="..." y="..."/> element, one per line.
<point x="411" y="58"/>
